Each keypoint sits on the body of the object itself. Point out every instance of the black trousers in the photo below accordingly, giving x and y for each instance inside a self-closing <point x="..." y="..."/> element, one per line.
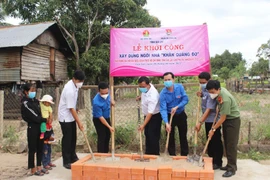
<point x="152" y="134"/>
<point x="179" y="121"/>
<point x="35" y="145"/>
<point x="104" y="135"/>
<point x="69" y="131"/>
<point x="231" y="128"/>
<point x="215" y="146"/>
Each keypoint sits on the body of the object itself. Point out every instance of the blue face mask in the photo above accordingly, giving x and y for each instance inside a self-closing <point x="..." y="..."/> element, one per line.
<point x="168" y="84"/>
<point x="203" y="86"/>
<point x="143" y="90"/>
<point x="31" y="95"/>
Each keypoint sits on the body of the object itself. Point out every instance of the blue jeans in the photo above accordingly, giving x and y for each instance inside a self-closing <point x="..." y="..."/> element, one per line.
<point x="46" y="157"/>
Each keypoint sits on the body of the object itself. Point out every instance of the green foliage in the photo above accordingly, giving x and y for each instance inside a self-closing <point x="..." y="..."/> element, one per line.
<point x="228" y="65"/>
<point x="254" y="155"/>
<point x="264" y="50"/>
<point x="11" y="137"/>
<point x="125" y="135"/>
<point x="259" y="68"/>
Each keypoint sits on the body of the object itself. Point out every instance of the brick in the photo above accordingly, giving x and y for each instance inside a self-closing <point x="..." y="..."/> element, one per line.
<point x="137" y="176"/>
<point x="207" y="174"/>
<point x="179" y="173"/>
<point x="124" y="156"/>
<point x="89" y="167"/>
<point x="76" y="177"/>
<point x="89" y="178"/>
<point x="178" y="178"/>
<point x="111" y="168"/>
<point x="165" y="176"/>
<point x="150" y="177"/>
<point x="102" y="154"/>
<point x="88" y="173"/>
<point x="192" y="178"/>
<point x="137" y="170"/>
<point x="150" y="171"/>
<point x="192" y="174"/>
<point x="207" y="159"/>
<point x="206" y="178"/>
<point x="164" y="169"/>
<point x="124" y="176"/>
<point x="179" y="157"/>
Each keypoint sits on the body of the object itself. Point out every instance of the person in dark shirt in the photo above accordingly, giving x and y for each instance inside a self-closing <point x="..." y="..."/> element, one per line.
<point x="31" y="113"/>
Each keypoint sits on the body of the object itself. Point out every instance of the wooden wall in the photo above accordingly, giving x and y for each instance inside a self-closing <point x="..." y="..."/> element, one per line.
<point x="60" y="66"/>
<point x="9" y="64"/>
<point x="35" y="62"/>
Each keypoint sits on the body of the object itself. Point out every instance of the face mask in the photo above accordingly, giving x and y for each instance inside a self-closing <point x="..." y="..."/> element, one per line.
<point x="104" y="96"/>
<point x="213" y="96"/>
<point x="31" y="95"/>
<point x="203" y="86"/>
<point x="168" y="84"/>
<point x="143" y="90"/>
<point x="79" y="85"/>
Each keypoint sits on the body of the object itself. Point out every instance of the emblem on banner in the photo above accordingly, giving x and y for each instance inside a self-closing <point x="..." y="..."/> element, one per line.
<point x="146" y="33"/>
<point x="168" y="32"/>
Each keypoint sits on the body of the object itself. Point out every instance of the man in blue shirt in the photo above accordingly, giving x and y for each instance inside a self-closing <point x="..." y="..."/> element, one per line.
<point x="173" y="100"/>
<point x="215" y="146"/>
<point x="101" y="117"/>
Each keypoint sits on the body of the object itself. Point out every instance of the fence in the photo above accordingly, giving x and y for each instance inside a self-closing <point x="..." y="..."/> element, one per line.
<point x="255" y="127"/>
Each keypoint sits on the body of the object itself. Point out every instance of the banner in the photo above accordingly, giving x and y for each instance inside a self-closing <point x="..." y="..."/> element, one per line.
<point x="154" y="51"/>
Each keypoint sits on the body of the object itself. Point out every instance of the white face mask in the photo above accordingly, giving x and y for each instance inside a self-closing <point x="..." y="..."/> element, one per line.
<point x="213" y="96"/>
<point x="79" y="85"/>
<point x="104" y="96"/>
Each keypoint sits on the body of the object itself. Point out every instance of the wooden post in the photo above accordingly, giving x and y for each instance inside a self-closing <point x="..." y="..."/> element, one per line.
<point x="112" y="113"/>
<point x="249" y="135"/>
<point x="52" y="64"/>
<point x="39" y="92"/>
<point x="56" y="102"/>
<point x="1" y="114"/>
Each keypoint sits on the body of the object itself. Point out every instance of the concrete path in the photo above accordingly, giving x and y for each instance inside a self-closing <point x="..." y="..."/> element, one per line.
<point x="247" y="170"/>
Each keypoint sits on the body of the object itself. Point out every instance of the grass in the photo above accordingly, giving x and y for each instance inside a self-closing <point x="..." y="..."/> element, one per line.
<point x="254" y="155"/>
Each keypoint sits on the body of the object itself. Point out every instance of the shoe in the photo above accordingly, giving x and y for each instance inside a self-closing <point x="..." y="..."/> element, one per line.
<point x="67" y="166"/>
<point x="73" y="161"/>
<point x="224" y="168"/>
<point x="228" y="174"/>
<point x="215" y="166"/>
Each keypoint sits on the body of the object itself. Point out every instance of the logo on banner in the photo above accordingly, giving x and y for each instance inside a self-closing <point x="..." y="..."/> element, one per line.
<point x="146" y="33"/>
<point x="168" y="32"/>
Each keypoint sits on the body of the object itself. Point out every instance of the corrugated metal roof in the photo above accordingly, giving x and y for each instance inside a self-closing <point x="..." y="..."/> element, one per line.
<point x="16" y="36"/>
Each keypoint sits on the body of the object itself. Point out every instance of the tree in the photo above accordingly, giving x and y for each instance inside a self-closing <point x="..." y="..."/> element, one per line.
<point x="259" y="68"/>
<point x="85" y="23"/>
<point x="228" y="65"/>
<point x="264" y="50"/>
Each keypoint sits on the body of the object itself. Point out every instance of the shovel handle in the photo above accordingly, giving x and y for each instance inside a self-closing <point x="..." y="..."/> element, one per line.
<point x="112" y="113"/>
<point x="88" y="145"/>
<point x="168" y="136"/>
<point x="197" y="119"/>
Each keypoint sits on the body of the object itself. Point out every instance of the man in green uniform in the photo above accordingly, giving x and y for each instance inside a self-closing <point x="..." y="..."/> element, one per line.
<point x="230" y="120"/>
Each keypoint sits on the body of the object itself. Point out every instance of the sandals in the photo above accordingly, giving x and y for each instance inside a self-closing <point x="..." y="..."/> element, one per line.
<point x="37" y="173"/>
<point x="48" y="167"/>
<point x="52" y="165"/>
<point x="45" y="171"/>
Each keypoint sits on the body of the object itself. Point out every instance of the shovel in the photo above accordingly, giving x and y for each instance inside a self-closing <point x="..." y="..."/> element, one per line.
<point x="195" y="157"/>
<point x="113" y="158"/>
<point x="141" y="159"/>
<point x="89" y="147"/>
<point x="201" y="163"/>
<point x="167" y="141"/>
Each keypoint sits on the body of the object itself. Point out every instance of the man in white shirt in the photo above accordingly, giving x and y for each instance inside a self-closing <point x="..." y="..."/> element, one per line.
<point x="68" y="117"/>
<point x="152" y="117"/>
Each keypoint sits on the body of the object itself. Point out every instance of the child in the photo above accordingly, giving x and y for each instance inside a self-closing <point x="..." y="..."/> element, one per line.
<point x="48" y="136"/>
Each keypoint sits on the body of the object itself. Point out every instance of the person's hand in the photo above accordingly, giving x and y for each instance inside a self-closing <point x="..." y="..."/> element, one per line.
<point x="138" y="98"/>
<point x="112" y="102"/>
<point x="80" y="125"/>
<point x="141" y="128"/>
<point x="173" y="111"/>
<point x="199" y="94"/>
<point x="198" y="127"/>
<point x="210" y="134"/>
<point x="111" y="129"/>
<point x="168" y="127"/>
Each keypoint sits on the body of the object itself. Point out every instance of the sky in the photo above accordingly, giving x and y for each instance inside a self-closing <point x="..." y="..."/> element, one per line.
<point x="236" y="25"/>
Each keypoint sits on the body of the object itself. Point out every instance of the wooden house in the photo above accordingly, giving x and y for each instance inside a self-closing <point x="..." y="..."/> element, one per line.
<point x="34" y="52"/>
